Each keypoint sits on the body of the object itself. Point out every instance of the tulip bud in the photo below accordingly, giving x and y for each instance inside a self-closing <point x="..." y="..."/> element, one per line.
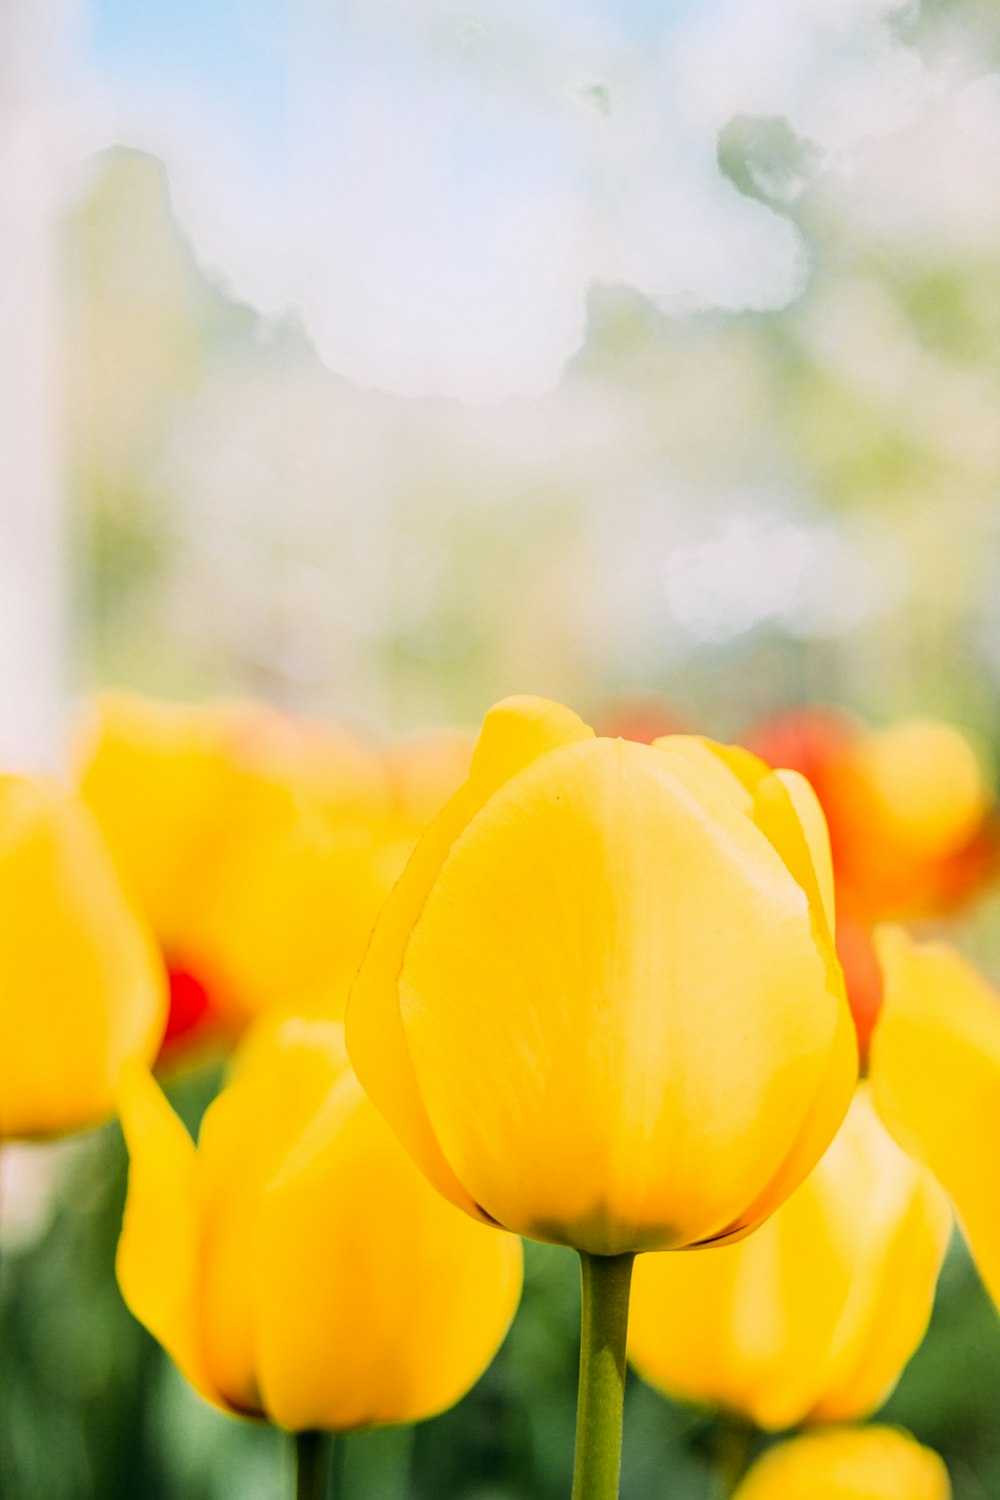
<point x="863" y="1463"/>
<point x="296" y="1265"/>
<point x="81" y="986"/>
<point x="601" y="1006"/>
<point x="814" y="1316"/>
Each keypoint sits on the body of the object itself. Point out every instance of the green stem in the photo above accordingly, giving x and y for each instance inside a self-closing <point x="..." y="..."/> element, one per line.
<point x="733" y="1449"/>
<point x="314" y="1453"/>
<point x="605" y="1281"/>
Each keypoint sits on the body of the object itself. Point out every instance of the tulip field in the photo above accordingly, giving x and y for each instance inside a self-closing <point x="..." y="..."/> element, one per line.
<point x="597" y="1006"/>
<point x="500" y="750"/>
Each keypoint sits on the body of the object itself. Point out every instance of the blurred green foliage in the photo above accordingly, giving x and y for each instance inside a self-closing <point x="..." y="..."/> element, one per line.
<point x="93" y="1410"/>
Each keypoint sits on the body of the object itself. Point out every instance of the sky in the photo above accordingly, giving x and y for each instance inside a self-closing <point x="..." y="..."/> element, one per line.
<point x="435" y="187"/>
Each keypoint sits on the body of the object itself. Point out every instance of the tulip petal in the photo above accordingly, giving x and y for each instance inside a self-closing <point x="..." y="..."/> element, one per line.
<point x="812" y="824"/>
<point x="257" y="842"/>
<point x="819" y="1126"/>
<point x="290" y="906"/>
<point x="935" y="1068"/>
<point x="515" y="733"/>
<point x="299" y="876"/>
<point x="156" y="779"/>
<point x="378" y="1301"/>
<point x="82" y="987"/>
<point x="746" y="1326"/>
<point x="787" y="812"/>
<point x="814" y="1316"/>
<point x="785" y="808"/>
<point x="246" y="1136"/>
<point x="899" y="1222"/>
<point x="663" y="948"/>
<point x="159" y="1253"/>
<point x="781" y="803"/>
<point x="733" y="771"/>
<point x="886" y="1321"/>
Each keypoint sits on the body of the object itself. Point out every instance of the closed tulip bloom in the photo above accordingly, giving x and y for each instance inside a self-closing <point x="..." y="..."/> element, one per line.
<point x="862" y="1463"/>
<point x="859" y="1463"/>
<point x="601" y="1005"/>
<point x="813" y="1317"/>
<point x="81" y="985"/>
<point x="296" y="1265"/>
<point x="261" y="845"/>
<point x="935" y="1069"/>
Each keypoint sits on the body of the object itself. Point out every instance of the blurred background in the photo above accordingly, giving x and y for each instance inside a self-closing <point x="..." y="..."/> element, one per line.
<point x="382" y="359"/>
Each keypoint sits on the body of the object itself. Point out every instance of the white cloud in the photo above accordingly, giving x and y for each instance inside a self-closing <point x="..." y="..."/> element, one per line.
<point x="451" y="178"/>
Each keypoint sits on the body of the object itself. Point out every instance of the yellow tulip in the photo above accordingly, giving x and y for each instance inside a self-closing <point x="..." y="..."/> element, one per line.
<point x="601" y="1005"/>
<point x="262" y="846"/>
<point x="935" y="1069"/>
<point x="81" y="985"/>
<point x="296" y="1265"/>
<point x="814" y="1316"/>
<point x="861" y="1463"/>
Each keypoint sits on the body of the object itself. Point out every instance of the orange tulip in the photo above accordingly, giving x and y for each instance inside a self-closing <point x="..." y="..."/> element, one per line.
<point x="913" y="831"/>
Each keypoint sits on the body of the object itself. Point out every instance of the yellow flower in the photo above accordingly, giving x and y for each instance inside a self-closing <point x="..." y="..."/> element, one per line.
<point x="814" y="1316"/>
<point x="81" y="985"/>
<point x="935" y="1069"/>
<point x="296" y="1265"/>
<point x="861" y="1463"/>
<point x="261" y="845"/>
<point x="601" y="1005"/>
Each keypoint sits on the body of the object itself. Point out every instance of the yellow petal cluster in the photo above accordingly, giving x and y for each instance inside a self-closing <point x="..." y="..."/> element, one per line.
<point x="296" y="1265"/>
<point x="81" y="984"/>
<point x="935" y="1070"/>
<point x="601" y="1005"/>
<point x="813" y="1316"/>
<point x="261" y="845"/>
<point x="860" y="1463"/>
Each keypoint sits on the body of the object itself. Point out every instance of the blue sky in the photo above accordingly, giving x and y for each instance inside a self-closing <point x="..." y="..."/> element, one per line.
<point x="238" y="50"/>
<point x="231" y="49"/>
<point x="435" y="187"/>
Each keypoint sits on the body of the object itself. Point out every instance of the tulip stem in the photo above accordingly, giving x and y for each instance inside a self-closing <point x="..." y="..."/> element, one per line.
<point x="733" y="1450"/>
<point x="605" y="1282"/>
<point x="314" y="1453"/>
